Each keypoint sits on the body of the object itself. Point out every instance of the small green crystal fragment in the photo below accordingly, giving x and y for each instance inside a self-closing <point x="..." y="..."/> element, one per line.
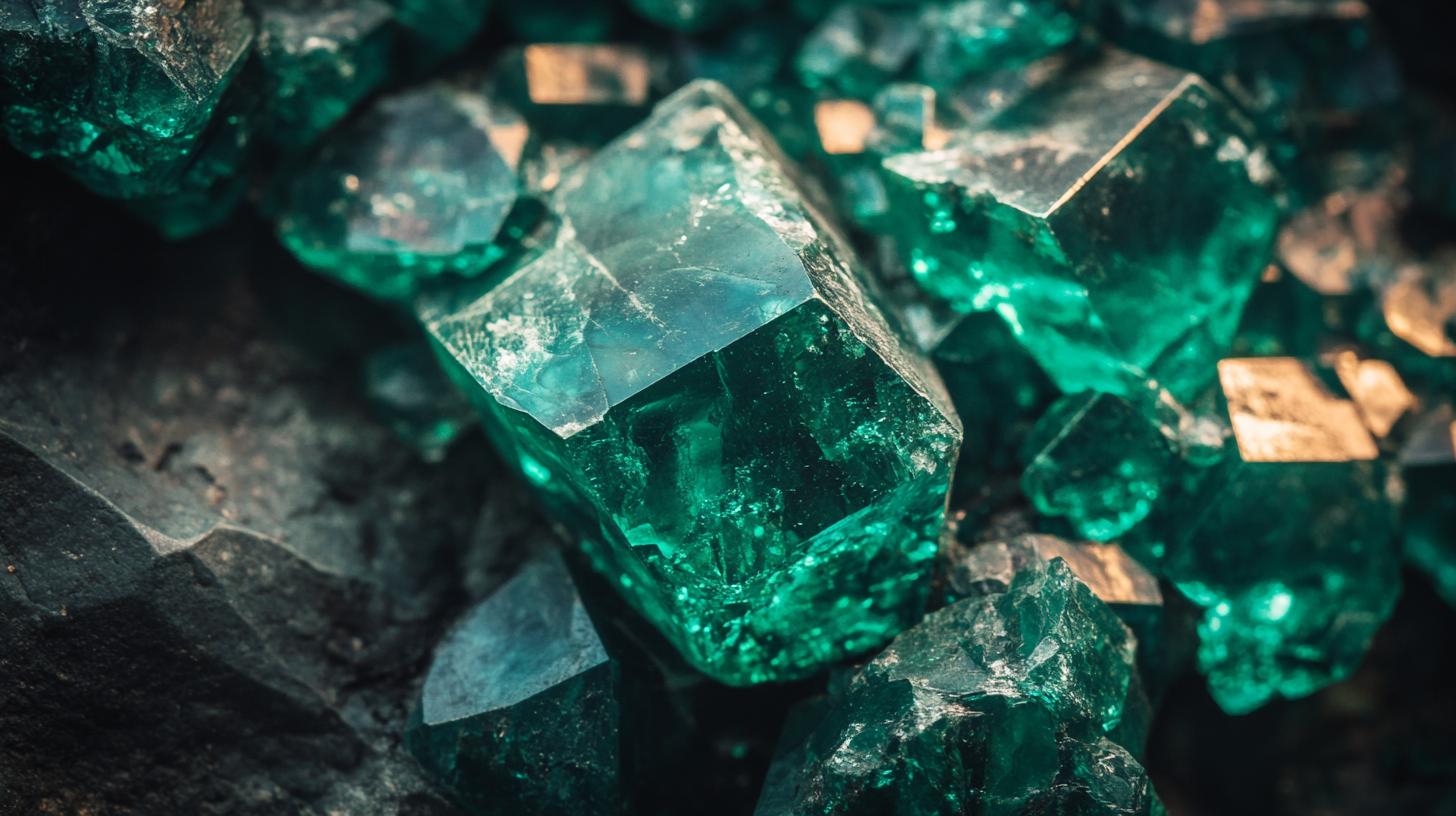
<point x="857" y="49"/>
<point x="321" y="57"/>
<point x="118" y="93"/>
<point x="1073" y="475"/>
<point x="1428" y="464"/>
<point x="417" y="188"/>
<point x="977" y="709"/>
<point x="440" y="27"/>
<point x="415" y="399"/>
<point x="692" y="15"/>
<point x="965" y="38"/>
<point x="520" y="711"/>
<point x="1112" y="217"/>
<point x="698" y="374"/>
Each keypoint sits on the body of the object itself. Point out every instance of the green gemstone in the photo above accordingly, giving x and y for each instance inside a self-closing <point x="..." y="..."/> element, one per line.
<point x="696" y="372"/>
<point x="582" y="92"/>
<point x="692" y="15"/>
<point x="417" y="188"/>
<point x="412" y="396"/>
<point x="117" y="92"/>
<point x="970" y="37"/>
<point x="996" y="387"/>
<point x="1303" y="69"/>
<point x="857" y="49"/>
<point x="1113" y="217"/>
<point x="977" y="709"/>
<point x="1288" y="542"/>
<point x="1428" y="464"/>
<point x="520" y="710"/>
<point x="320" y="58"/>
<point x="440" y="27"/>
<point x="1101" y="462"/>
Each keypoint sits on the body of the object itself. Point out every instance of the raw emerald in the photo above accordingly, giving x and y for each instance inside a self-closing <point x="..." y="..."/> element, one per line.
<point x="696" y="372"/>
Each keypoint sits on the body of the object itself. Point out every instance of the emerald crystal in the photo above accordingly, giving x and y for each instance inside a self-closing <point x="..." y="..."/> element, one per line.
<point x="1428" y="463"/>
<point x="417" y="188"/>
<point x="692" y="15"/>
<point x="520" y="712"/>
<point x="321" y="58"/>
<point x="695" y="371"/>
<point x="966" y="38"/>
<point x="857" y="49"/>
<point x="118" y="93"/>
<point x="1112" y="217"/>
<point x="979" y="708"/>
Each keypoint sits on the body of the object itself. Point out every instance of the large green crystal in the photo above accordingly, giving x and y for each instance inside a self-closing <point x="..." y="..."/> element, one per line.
<point x="321" y="57"/>
<point x="419" y="187"/>
<point x="696" y="370"/>
<point x="996" y="704"/>
<point x="520" y="711"/>
<point x="1111" y="217"/>
<point x="117" y="92"/>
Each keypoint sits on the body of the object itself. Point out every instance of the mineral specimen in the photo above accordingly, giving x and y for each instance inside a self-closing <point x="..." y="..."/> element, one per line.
<point x="697" y="373"/>
<point x="995" y="704"/>
<point x="1112" y="217"/>
<point x="520" y="711"/>
<point x="217" y="573"/>
<point x="416" y="189"/>
<point x="857" y="49"/>
<point x="964" y="38"/>
<point x="117" y="92"/>
<point x="320" y="58"/>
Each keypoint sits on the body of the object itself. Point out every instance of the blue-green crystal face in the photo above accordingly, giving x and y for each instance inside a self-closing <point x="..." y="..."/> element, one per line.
<point x="1111" y="218"/>
<point x="117" y="92"/>
<point x="417" y="188"/>
<point x="520" y="710"/>
<point x="695" y="368"/>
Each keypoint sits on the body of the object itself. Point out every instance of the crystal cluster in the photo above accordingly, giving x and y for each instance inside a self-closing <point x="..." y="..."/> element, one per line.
<point x="666" y="406"/>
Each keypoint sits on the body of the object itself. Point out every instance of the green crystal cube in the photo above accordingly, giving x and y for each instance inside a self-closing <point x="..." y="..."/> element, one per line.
<point x="1112" y="217"/>
<point x="117" y="92"/>
<point x="321" y="57"/>
<point x="696" y="371"/>
<point x="417" y="188"/>
<point x="980" y="708"/>
<point x="520" y="711"/>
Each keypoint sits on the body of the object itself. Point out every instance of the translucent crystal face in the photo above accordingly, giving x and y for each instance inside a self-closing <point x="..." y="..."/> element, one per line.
<point x="1109" y="217"/>
<point x="416" y="188"/>
<point x="695" y="364"/>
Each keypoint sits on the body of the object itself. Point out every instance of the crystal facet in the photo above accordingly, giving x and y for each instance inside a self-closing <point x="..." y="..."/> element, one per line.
<point x="696" y="369"/>
<point x="1112" y="217"/>
<point x="993" y="704"/>
<point x="117" y="92"/>
<point x="419" y="187"/>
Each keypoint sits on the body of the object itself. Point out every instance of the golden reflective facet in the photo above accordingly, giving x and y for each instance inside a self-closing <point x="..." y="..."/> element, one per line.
<point x="1421" y="310"/>
<point x="1106" y="569"/>
<point x="1329" y="245"/>
<point x="1280" y="412"/>
<point x="1378" y="390"/>
<point x="844" y="125"/>
<point x="575" y="74"/>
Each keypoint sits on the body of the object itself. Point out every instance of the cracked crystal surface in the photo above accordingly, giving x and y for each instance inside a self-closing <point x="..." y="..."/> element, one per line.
<point x="1112" y="217"/>
<point x="697" y="372"/>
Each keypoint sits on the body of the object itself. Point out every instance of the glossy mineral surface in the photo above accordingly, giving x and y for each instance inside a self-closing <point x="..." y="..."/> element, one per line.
<point x="417" y="188"/>
<point x="1111" y="217"/>
<point x="695" y="369"/>
<point x="117" y="92"/>
<point x="991" y="705"/>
